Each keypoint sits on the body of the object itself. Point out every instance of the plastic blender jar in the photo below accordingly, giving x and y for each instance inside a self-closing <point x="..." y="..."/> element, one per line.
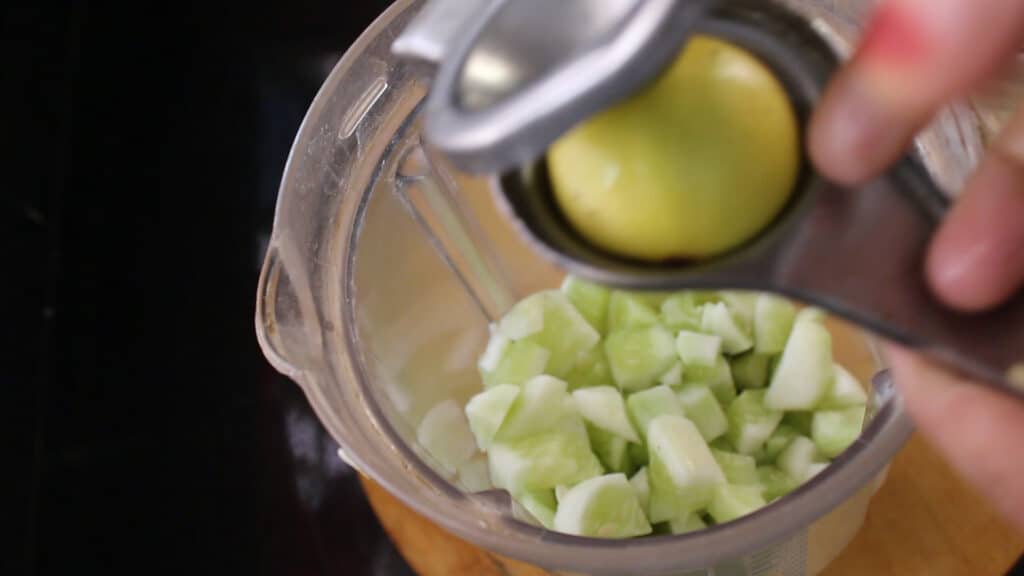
<point x="386" y="266"/>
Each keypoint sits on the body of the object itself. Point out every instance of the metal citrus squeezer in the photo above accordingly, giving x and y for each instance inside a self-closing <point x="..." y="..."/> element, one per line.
<point x="513" y="75"/>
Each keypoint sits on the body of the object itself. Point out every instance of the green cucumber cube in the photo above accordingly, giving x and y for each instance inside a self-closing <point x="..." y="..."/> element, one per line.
<point x="637" y="357"/>
<point x="673" y="377"/>
<point x="541" y="505"/>
<point x="833" y="431"/>
<point x="642" y="488"/>
<point x="563" y="331"/>
<point x="590" y="299"/>
<point x="778" y="441"/>
<point x="647" y="405"/>
<point x="750" y="370"/>
<point x="690" y="522"/>
<point x="604" y="407"/>
<point x="446" y="436"/>
<point x="494" y="351"/>
<point x="718" y="320"/>
<point x="610" y="449"/>
<point x="520" y="361"/>
<point x="741" y="305"/>
<point x="812" y="313"/>
<point x="731" y="501"/>
<point x="543" y="403"/>
<point x="681" y="311"/>
<point x="702" y="408"/>
<point x="800" y="421"/>
<point x="738" y="468"/>
<point x="638" y="455"/>
<point x="718" y="378"/>
<point x="487" y="410"/>
<point x="816" y="468"/>
<point x="751" y="422"/>
<point x="805" y="371"/>
<point x="682" y="472"/>
<point x="773" y="320"/>
<point x="845" y="392"/>
<point x="774" y="482"/>
<point x="474" y="476"/>
<point x="543" y="461"/>
<point x="602" y="507"/>
<point x="697" y="349"/>
<point x="797" y="458"/>
<point x="590" y="370"/>
<point x="627" y="312"/>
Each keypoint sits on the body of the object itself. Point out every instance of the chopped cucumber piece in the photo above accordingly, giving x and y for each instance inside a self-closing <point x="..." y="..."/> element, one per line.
<point x="698" y="349"/>
<point x="543" y="403"/>
<point x="812" y="313"/>
<point x="561" y="330"/>
<point x="604" y="407"/>
<point x="682" y="472"/>
<point x="487" y="410"/>
<point x="718" y="378"/>
<point x="690" y="522"/>
<point x="642" y="488"/>
<point x="541" y="504"/>
<point x="738" y="469"/>
<point x="627" y="312"/>
<point x="590" y="299"/>
<point x="741" y="305"/>
<point x="638" y="454"/>
<point x="750" y="370"/>
<point x="602" y="507"/>
<point x="682" y="311"/>
<point x="805" y="371"/>
<point x="800" y="420"/>
<point x="719" y="321"/>
<point x="590" y="370"/>
<point x="846" y="391"/>
<point x="797" y="458"/>
<point x="474" y="476"/>
<point x="773" y="320"/>
<point x="639" y="356"/>
<point x="610" y="449"/>
<point x="445" y="435"/>
<point x="647" y="405"/>
<point x="673" y="377"/>
<point x="560" y="492"/>
<point x="543" y="461"/>
<point x="751" y="423"/>
<point x="815" y="469"/>
<point x="702" y="408"/>
<point x="774" y="482"/>
<point x="835" y="430"/>
<point x="778" y="441"/>
<point x="521" y="361"/>
<point x="730" y="501"/>
<point x="495" y="350"/>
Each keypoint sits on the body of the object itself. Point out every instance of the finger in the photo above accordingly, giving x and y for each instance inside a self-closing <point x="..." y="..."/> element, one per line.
<point x="915" y="55"/>
<point x="976" y="429"/>
<point x="977" y="259"/>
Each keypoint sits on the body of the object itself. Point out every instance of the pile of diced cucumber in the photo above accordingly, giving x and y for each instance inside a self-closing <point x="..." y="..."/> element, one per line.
<point x="614" y="414"/>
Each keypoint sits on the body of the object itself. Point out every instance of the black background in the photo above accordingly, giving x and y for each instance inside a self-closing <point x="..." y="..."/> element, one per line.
<point x="144" y="431"/>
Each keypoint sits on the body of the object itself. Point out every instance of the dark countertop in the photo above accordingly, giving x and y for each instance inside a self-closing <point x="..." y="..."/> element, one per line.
<point x="148" y="431"/>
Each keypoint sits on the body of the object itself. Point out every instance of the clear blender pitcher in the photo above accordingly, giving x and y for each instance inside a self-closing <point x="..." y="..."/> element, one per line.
<point x="386" y="266"/>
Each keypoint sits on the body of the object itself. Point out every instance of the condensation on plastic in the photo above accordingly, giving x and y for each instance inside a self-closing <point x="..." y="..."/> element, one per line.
<point x="385" y="268"/>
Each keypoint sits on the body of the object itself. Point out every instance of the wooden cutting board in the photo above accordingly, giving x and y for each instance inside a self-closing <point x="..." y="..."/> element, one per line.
<point x="923" y="521"/>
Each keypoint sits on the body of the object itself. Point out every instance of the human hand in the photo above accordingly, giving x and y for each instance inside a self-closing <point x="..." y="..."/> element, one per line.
<point x="916" y="56"/>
